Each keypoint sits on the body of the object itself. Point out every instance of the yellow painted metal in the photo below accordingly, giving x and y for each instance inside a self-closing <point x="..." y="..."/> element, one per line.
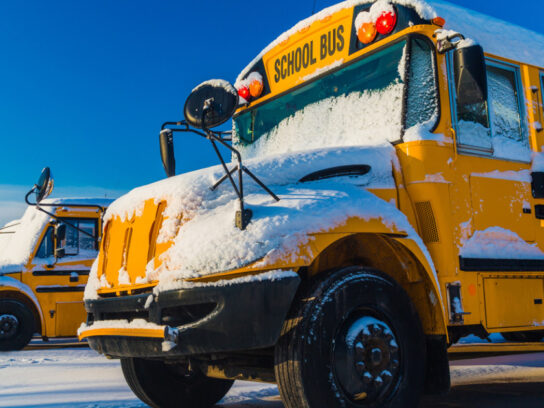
<point x="495" y="348"/>
<point x="122" y="332"/>
<point x="510" y="301"/>
<point x="446" y="195"/>
<point x="58" y="313"/>
<point x="69" y="317"/>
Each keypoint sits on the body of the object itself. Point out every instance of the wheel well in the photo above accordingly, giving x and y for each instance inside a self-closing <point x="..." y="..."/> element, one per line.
<point x="383" y="253"/>
<point x="11" y="294"/>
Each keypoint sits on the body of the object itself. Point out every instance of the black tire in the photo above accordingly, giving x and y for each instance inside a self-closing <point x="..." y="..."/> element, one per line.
<point x="524" y="337"/>
<point x="163" y="385"/>
<point x="16" y="325"/>
<point x="318" y="357"/>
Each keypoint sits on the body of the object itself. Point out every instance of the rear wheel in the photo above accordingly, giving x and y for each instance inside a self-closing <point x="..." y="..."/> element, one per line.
<point x="163" y="385"/>
<point x="353" y="339"/>
<point x="16" y="325"/>
<point x="527" y="336"/>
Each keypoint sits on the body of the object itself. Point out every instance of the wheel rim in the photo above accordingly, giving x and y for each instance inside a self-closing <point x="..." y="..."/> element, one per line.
<point x="366" y="359"/>
<point x="9" y="325"/>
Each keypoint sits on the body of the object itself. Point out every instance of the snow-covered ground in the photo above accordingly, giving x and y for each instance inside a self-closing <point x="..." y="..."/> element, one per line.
<point x="79" y="377"/>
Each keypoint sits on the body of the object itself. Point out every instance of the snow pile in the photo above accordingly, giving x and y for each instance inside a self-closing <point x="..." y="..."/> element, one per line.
<point x="347" y="120"/>
<point x="442" y="35"/>
<point x="18" y="249"/>
<point x="170" y="281"/>
<point x="538" y="162"/>
<point x="424" y="10"/>
<point x="372" y="15"/>
<point x="496" y="36"/>
<point x="499" y="243"/>
<point x="207" y="240"/>
<point x="7" y="231"/>
<point x="523" y="176"/>
<point x="217" y="83"/>
<point x="119" y="324"/>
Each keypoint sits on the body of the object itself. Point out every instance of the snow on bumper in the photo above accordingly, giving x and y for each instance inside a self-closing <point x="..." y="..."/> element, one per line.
<point x="241" y="314"/>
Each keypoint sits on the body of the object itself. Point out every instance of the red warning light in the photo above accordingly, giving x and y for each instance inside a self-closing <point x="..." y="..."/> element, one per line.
<point x="386" y="22"/>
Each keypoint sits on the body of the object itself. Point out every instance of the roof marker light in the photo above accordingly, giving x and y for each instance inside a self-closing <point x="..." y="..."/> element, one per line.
<point x="256" y="85"/>
<point x="439" y="21"/>
<point x="386" y="22"/>
<point x="244" y="93"/>
<point x="367" y="33"/>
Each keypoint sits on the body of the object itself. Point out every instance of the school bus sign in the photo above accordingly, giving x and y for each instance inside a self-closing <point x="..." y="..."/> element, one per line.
<point x="317" y="46"/>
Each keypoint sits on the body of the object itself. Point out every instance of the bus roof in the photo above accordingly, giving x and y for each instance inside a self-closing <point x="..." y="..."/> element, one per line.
<point x="496" y="36"/>
<point x="16" y="248"/>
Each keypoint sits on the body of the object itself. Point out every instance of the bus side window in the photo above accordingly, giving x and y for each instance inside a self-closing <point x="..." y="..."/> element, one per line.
<point x="473" y="131"/>
<point x="78" y="243"/>
<point x="422" y="94"/>
<point x="495" y="127"/>
<point x="46" y="246"/>
<point x="509" y="137"/>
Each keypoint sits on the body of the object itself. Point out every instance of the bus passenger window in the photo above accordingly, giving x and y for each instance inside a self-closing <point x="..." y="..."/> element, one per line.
<point x="422" y="95"/>
<point x="473" y="127"/>
<point x="509" y="138"/>
<point x="78" y="243"/>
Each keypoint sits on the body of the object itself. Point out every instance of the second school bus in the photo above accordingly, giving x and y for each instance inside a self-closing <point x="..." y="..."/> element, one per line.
<point x="384" y="199"/>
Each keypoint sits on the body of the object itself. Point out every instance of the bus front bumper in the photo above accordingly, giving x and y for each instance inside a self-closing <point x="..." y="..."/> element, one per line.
<point x="198" y="320"/>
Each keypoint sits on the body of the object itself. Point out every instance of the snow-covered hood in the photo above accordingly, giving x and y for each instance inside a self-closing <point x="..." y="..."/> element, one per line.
<point x="206" y="239"/>
<point x="16" y="250"/>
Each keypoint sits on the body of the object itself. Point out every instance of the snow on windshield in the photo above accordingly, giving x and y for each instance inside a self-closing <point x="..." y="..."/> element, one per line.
<point x="360" y="104"/>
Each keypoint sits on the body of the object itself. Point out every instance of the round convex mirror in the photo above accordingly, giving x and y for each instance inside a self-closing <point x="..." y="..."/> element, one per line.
<point x="44" y="186"/>
<point x="220" y="99"/>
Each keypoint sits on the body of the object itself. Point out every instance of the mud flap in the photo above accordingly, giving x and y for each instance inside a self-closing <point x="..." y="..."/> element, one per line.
<point x="437" y="379"/>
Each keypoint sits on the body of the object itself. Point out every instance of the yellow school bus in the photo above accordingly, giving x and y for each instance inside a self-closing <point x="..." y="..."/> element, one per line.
<point x="45" y="258"/>
<point x="385" y="198"/>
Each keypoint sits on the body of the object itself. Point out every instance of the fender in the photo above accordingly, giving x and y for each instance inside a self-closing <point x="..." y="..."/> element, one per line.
<point x="8" y="283"/>
<point x="400" y="238"/>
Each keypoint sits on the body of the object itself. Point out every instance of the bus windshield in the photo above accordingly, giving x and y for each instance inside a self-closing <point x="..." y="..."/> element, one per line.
<point x="359" y="104"/>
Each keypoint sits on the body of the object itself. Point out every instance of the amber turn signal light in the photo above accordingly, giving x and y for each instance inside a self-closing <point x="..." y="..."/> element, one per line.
<point x="367" y="33"/>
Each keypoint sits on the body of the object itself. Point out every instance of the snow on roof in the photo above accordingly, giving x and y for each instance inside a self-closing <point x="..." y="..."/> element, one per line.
<point x="423" y="9"/>
<point x="103" y="202"/>
<point x="496" y="36"/>
<point x="7" y="231"/>
<point x="15" y="251"/>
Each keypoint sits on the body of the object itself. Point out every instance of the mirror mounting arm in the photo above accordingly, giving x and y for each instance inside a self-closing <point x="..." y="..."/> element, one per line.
<point x="39" y="207"/>
<point x="243" y="215"/>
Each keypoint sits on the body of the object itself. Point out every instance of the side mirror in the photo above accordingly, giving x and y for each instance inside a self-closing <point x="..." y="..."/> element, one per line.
<point x="470" y="75"/>
<point x="44" y="186"/>
<point x="60" y="238"/>
<point x="166" y="140"/>
<point x="210" y="104"/>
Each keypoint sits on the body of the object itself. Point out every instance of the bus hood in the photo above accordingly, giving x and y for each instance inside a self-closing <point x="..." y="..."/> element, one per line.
<point x="198" y="235"/>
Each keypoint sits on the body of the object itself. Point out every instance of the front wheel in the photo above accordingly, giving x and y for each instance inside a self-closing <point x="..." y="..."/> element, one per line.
<point x="16" y="325"/>
<point x="353" y="339"/>
<point x="162" y="385"/>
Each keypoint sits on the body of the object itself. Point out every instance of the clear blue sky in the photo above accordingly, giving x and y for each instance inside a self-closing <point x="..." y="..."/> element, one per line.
<point x="85" y="85"/>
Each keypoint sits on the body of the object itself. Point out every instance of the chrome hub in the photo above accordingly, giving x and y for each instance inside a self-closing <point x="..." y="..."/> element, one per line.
<point x="366" y="359"/>
<point x="8" y="326"/>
